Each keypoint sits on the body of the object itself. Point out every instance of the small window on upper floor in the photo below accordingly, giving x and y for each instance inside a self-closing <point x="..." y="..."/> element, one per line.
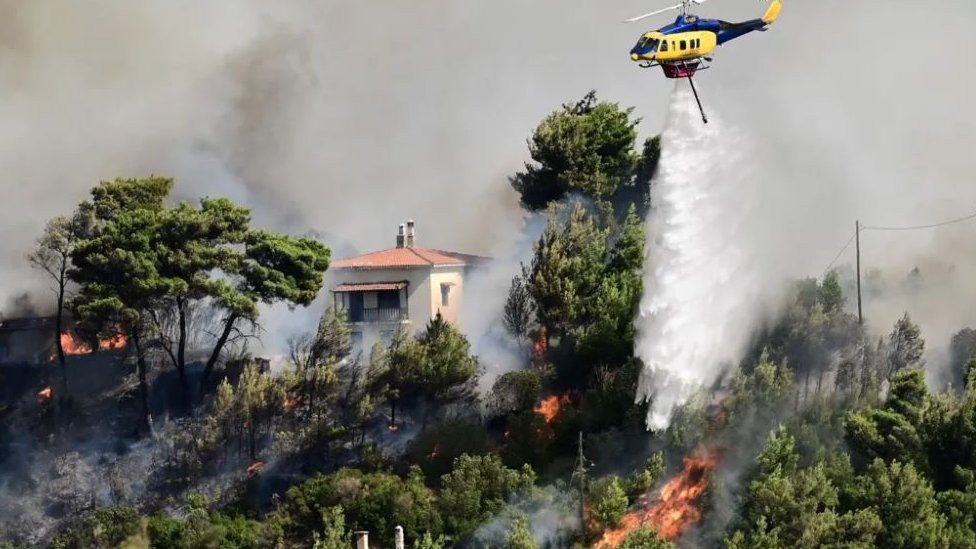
<point x="446" y="294"/>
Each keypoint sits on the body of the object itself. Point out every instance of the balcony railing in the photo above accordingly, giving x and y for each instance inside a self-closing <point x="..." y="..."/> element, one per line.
<point x="377" y="315"/>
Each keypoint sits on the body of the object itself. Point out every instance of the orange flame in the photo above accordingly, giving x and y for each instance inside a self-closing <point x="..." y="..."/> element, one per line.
<point x="44" y="394"/>
<point x="74" y="346"/>
<point x="436" y="451"/>
<point x="675" y="509"/>
<point x="254" y="468"/>
<point x="393" y="427"/>
<point x="540" y="346"/>
<point x="114" y="343"/>
<point x="549" y="407"/>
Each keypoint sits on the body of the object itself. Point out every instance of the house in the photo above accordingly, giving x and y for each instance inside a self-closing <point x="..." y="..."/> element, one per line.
<point x="402" y="286"/>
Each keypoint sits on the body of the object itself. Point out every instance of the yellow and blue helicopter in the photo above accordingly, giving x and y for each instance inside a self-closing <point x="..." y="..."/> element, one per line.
<point x="682" y="48"/>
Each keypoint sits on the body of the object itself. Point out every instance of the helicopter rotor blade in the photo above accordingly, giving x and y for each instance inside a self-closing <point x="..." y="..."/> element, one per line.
<point x="653" y="13"/>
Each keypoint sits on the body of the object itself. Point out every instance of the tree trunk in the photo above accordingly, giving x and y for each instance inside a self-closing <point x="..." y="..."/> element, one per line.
<point x="145" y="425"/>
<point x="181" y="344"/>
<point x="221" y="341"/>
<point x="59" y="328"/>
<point x="393" y="412"/>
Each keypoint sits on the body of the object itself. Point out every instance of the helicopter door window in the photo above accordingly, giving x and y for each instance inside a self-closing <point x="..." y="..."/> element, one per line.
<point x="664" y="45"/>
<point x="683" y="44"/>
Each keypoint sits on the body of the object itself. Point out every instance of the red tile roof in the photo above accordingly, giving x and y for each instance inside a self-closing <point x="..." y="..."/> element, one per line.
<point x="394" y="258"/>
<point x="370" y="286"/>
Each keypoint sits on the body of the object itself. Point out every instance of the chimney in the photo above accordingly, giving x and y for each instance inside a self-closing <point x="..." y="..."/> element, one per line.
<point x="411" y="236"/>
<point x="362" y="539"/>
<point x="398" y="538"/>
<point x="400" y="237"/>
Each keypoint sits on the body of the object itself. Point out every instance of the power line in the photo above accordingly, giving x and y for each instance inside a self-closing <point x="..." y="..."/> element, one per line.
<point x="917" y="227"/>
<point x="905" y="228"/>
<point x="840" y="253"/>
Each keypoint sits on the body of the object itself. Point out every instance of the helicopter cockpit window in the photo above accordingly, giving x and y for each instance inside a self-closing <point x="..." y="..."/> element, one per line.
<point x="649" y="44"/>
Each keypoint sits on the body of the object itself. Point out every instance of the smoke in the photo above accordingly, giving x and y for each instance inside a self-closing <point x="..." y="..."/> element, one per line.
<point x="326" y="116"/>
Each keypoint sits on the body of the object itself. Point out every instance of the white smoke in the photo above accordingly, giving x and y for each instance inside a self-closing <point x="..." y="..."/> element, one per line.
<point x="702" y="289"/>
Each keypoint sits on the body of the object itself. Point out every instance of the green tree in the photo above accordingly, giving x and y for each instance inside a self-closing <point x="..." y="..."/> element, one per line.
<point x="104" y="528"/>
<point x="644" y="538"/>
<point x="518" y="390"/>
<point x="609" y="501"/>
<point x="519" y="536"/>
<point x="586" y="147"/>
<point x="334" y="534"/>
<point x="644" y="479"/>
<point x="567" y="270"/>
<point x="141" y="262"/>
<point x="519" y="309"/>
<point x="962" y="352"/>
<point x="892" y="432"/>
<point x="429" y="542"/>
<point x="376" y="502"/>
<point x="478" y="488"/>
<point x="830" y="295"/>
<point x="905" y="502"/>
<point x="905" y="346"/>
<point x="608" y="331"/>
<point x="448" y="369"/>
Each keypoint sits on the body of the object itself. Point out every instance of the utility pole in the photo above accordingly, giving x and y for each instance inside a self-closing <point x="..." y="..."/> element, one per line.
<point x="580" y="473"/>
<point x="857" y="239"/>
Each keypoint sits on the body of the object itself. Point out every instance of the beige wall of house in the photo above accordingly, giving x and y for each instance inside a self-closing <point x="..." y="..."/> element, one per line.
<point x="446" y="292"/>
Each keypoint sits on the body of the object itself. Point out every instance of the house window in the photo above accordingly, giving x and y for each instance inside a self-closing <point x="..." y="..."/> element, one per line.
<point x="388" y="299"/>
<point x="446" y="295"/>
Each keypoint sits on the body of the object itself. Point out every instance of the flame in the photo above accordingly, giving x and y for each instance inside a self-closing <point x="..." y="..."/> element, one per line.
<point x="44" y="394"/>
<point x="436" y="451"/>
<point x="675" y="509"/>
<point x="74" y="346"/>
<point x="393" y="427"/>
<point x="540" y="346"/>
<point x="549" y="407"/>
<point x="114" y="343"/>
<point x="254" y="468"/>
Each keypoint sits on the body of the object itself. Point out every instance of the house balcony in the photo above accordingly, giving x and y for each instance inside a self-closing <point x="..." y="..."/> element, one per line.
<point x="376" y="315"/>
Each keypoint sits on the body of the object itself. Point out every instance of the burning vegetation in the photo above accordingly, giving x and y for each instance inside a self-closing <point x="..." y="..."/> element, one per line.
<point x="73" y="345"/>
<point x="550" y="406"/>
<point x="45" y="394"/>
<point x="676" y="508"/>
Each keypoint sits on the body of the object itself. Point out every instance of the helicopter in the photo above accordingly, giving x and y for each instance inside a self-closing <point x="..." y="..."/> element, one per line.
<point x="684" y="47"/>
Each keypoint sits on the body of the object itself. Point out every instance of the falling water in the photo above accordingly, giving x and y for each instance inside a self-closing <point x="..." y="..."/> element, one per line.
<point x="701" y="289"/>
